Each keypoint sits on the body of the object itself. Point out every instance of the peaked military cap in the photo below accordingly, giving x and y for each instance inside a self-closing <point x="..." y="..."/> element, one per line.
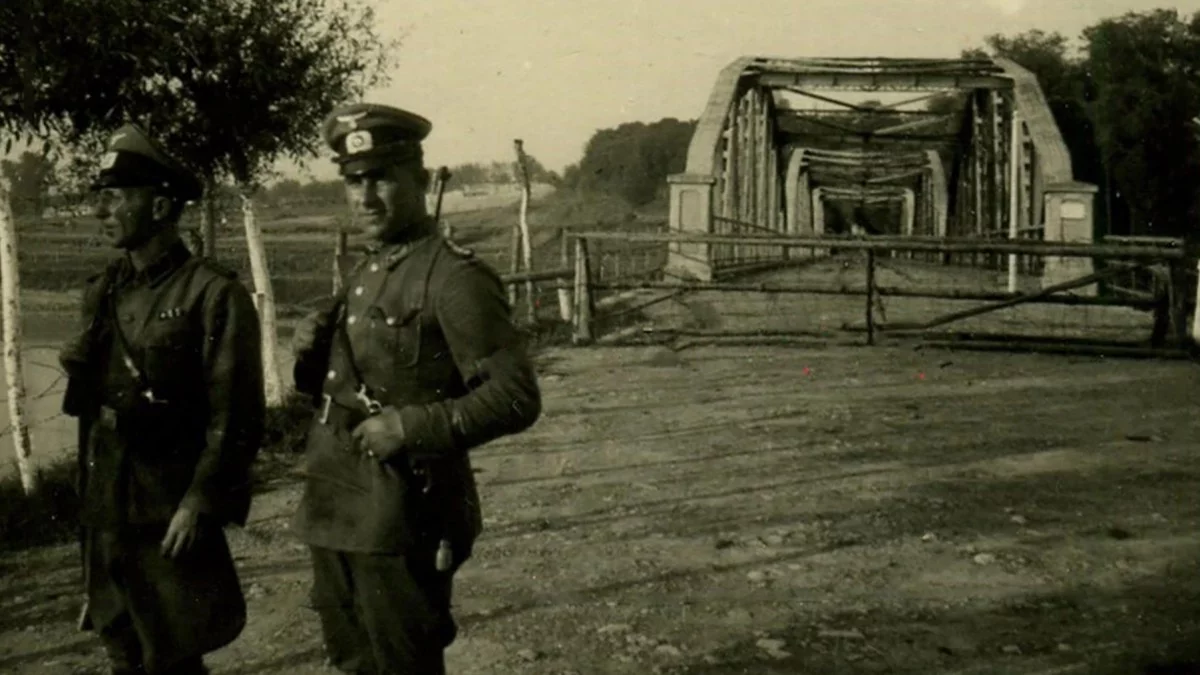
<point x="133" y="159"/>
<point x="367" y="136"/>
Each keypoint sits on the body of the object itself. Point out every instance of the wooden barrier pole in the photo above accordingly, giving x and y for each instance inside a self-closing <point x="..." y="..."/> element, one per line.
<point x="1021" y="299"/>
<point x="564" y="296"/>
<point x="947" y="245"/>
<point x="523" y="224"/>
<point x="870" y="297"/>
<point x="583" y="299"/>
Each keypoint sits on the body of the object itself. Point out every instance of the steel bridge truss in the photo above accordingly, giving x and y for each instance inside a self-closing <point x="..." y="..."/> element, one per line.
<point x="973" y="153"/>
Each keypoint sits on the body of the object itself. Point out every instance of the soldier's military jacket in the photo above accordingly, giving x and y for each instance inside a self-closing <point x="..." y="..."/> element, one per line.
<point x="172" y="413"/>
<point x="427" y="328"/>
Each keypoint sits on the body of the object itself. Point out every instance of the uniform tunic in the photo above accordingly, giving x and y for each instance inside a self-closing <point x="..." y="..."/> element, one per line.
<point x="427" y="328"/>
<point x="183" y="430"/>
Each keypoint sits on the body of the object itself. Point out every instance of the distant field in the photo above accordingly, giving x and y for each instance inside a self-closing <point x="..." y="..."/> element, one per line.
<point x="56" y="258"/>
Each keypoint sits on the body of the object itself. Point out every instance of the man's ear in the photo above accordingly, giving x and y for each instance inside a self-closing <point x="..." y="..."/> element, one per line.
<point x="424" y="178"/>
<point x="161" y="207"/>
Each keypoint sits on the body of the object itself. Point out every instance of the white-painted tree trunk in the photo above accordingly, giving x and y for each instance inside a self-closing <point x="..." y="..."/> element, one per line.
<point x="10" y="285"/>
<point x="272" y="383"/>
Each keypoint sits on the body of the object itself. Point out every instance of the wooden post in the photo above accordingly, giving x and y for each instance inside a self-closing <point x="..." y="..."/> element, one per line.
<point x="1196" y="309"/>
<point x="564" y="295"/>
<point x="272" y="384"/>
<point x="870" y="297"/>
<point x="1176" y="290"/>
<point x="523" y="223"/>
<point x="10" y="295"/>
<point x="583" y="297"/>
<point x="514" y="263"/>
<point x="1014" y="189"/>
<point x="339" y="254"/>
<point x="208" y="220"/>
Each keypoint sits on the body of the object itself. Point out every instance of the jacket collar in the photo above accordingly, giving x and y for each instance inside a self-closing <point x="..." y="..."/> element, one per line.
<point x="160" y="268"/>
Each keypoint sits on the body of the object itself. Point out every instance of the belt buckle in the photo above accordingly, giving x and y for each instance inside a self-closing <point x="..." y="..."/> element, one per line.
<point x="326" y="402"/>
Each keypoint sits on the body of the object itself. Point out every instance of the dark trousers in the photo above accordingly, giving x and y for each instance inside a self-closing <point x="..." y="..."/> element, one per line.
<point x="383" y="614"/>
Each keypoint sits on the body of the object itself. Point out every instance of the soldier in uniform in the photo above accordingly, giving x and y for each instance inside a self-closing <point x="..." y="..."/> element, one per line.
<point x="166" y="380"/>
<point x="416" y="364"/>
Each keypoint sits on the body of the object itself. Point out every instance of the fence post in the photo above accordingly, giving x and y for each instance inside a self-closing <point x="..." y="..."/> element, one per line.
<point x="1177" y="291"/>
<point x="870" y="296"/>
<point x="1196" y="308"/>
<point x="564" y="297"/>
<point x="339" y="254"/>
<point x="583" y="296"/>
<point x="523" y="223"/>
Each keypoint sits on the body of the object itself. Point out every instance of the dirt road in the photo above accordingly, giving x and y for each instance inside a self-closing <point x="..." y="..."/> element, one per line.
<point x="773" y="510"/>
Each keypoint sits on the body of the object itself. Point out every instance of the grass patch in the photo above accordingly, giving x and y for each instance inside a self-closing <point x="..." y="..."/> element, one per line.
<point x="46" y="517"/>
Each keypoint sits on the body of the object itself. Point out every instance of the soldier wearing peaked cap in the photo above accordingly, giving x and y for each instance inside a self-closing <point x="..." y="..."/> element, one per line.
<point x="165" y="378"/>
<point x="413" y="366"/>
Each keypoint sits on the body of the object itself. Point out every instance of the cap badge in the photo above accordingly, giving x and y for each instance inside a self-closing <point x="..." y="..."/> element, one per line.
<point x="108" y="160"/>
<point x="359" y="141"/>
<point x="352" y="119"/>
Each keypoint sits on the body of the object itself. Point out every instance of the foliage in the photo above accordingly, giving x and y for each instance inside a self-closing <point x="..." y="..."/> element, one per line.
<point x="228" y="85"/>
<point x="632" y="160"/>
<point x="477" y="173"/>
<point x="1145" y="74"/>
<point x="28" y="179"/>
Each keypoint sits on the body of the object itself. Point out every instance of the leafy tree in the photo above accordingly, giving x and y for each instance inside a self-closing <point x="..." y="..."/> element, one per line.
<point x="1145" y="74"/>
<point x="229" y="85"/>
<point x="29" y="178"/>
<point x="632" y="160"/>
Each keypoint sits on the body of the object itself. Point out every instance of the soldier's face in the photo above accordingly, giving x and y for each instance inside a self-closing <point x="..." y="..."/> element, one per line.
<point x="129" y="216"/>
<point x="387" y="201"/>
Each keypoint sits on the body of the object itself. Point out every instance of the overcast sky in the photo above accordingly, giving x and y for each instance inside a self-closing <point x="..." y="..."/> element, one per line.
<point x="551" y="72"/>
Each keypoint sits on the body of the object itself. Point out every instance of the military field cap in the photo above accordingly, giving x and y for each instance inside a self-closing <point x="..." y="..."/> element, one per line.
<point x="367" y="136"/>
<point x="133" y="159"/>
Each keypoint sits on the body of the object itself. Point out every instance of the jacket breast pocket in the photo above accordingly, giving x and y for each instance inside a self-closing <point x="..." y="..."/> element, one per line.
<point x="399" y="334"/>
<point x="171" y="359"/>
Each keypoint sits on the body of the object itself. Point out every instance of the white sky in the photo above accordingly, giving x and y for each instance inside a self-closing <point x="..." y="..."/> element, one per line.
<point x="552" y="72"/>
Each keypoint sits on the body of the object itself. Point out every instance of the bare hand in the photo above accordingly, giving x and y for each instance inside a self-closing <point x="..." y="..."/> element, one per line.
<point x="379" y="436"/>
<point x="181" y="533"/>
<point x="305" y="335"/>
